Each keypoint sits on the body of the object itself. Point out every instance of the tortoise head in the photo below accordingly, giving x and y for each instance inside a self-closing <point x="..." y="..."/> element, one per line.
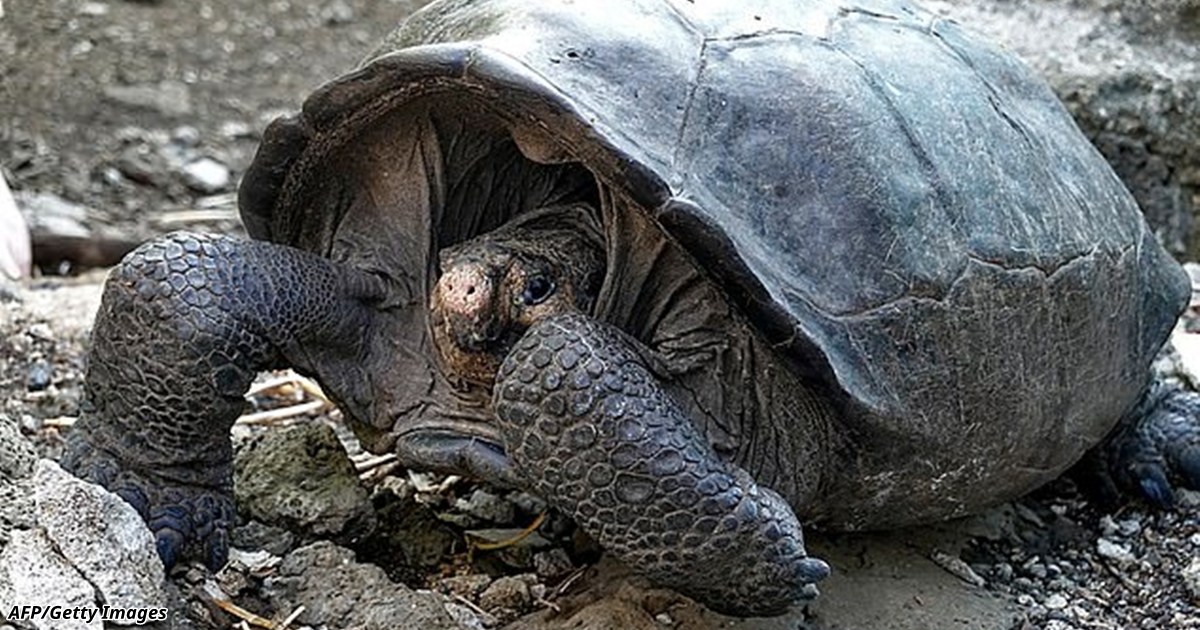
<point x="493" y="287"/>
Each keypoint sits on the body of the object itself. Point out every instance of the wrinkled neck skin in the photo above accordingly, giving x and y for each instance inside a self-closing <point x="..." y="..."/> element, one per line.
<point x="432" y="401"/>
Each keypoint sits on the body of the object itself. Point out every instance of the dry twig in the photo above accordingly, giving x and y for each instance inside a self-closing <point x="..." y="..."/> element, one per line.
<point x="283" y="413"/>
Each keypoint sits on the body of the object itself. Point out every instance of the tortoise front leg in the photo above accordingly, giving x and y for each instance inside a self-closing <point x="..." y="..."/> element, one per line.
<point x="598" y="437"/>
<point x="185" y="323"/>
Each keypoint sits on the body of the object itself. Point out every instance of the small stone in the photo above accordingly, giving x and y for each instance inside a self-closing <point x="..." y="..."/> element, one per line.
<point x="528" y="504"/>
<point x="48" y="213"/>
<point x="1129" y="527"/>
<point x="469" y="618"/>
<point x="41" y="331"/>
<point x="957" y="567"/>
<point x="260" y="536"/>
<point x="337" y="13"/>
<point x="1191" y="579"/>
<point x="553" y="564"/>
<point x="185" y="135"/>
<point x="1061" y="584"/>
<point x="1118" y="552"/>
<point x="488" y="507"/>
<point x="1055" y="602"/>
<point x="234" y="129"/>
<point x="1024" y="599"/>
<point x="664" y="619"/>
<point x="232" y="581"/>
<point x="93" y="9"/>
<point x="1003" y="572"/>
<point x="206" y="175"/>
<point x="39" y="376"/>
<point x="257" y="562"/>
<point x="169" y="98"/>
<point x="466" y="586"/>
<point x="511" y="592"/>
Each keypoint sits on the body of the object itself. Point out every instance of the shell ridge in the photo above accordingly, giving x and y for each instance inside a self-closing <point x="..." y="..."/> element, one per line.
<point x="1047" y="275"/>
<point x="938" y="196"/>
<point x="689" y="104"/>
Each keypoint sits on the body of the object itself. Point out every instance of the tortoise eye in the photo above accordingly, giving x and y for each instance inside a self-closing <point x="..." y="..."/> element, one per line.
<point x="537" y="290"/>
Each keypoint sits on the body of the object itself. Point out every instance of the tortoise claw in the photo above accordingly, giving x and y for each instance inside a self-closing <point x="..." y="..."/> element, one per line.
<point x="188" y="521"/>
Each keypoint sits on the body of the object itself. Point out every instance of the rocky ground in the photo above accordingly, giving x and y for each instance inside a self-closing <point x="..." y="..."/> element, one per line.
<point x="126" y="119"/>
<point x="352" y="541"/>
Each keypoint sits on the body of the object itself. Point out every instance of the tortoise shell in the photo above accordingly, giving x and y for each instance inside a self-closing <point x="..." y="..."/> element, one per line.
<point x="907" y="214"/>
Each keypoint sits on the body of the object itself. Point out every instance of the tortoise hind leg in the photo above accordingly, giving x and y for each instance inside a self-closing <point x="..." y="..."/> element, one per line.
<point x="184" y="325"/>
<point x="588" y="425"/>
<point x="1157" y="445"/>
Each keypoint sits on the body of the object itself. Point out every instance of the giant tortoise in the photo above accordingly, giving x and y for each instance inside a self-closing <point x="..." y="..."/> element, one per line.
<point x="693" y="271"/>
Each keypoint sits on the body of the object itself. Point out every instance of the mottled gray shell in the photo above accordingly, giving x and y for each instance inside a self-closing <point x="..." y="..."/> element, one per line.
<point x="906" y="212"/>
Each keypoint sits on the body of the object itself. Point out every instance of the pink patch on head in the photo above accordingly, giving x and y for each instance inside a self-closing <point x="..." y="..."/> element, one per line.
<point x="465" y="290"/>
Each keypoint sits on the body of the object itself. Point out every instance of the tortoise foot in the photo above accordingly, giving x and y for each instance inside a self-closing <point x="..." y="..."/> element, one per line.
<point x="1157" y="448"/>
<point x="185" y="324"/>
<point x="589" y="426"/>
<point x="188" y="519"/>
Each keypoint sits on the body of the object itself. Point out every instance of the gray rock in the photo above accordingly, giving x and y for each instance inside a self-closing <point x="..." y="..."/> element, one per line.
<point x="17" y="459"/>
<point x="1055" y="602"/>
<point x="39" y="375"/>
<point x="1191" y="579"/>
<point x="488" y="507"/>
<point x="16" y="507"/>
<point x="475" y="620"/>
<point x="101" y="535"/>
<point x="1115" y="551"/>
<point x="17" y="455"/>
<point x="338" y="592"/>
<point x="206" y="175"/>
<point x="185" y="136"/>
<point x="508" y="593"/>
<point x="300" y="478"/>
<point x="466" y="586"/>
<point x="48" y="213"/>
<point x="1129" y="527"/>
<point x="256" y="535"/>
<point x="337" y="13"/>
<point x="553" y="564"/>
<point x="33" y="573"/>
<point x="169" y="98"/>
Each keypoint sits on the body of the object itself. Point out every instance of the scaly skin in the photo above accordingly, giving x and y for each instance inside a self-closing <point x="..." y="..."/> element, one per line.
<point x="185" y="324"/>
<point x="1157" y="446"/>
<point x="589" y="426"/>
